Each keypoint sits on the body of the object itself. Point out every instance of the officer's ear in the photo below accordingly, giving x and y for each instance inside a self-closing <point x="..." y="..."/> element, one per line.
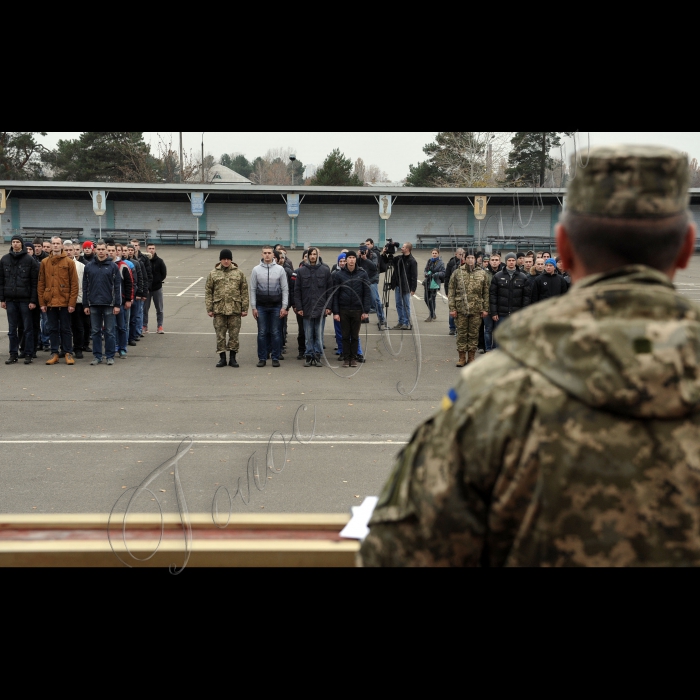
<point x="687" y="249"/>
<point x="569" y="260"/>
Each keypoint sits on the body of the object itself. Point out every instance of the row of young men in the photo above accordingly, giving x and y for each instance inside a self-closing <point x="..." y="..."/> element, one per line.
<point x="313" y="291"/>
<point x="46" y="289"/>
<point x="482" y="296"/>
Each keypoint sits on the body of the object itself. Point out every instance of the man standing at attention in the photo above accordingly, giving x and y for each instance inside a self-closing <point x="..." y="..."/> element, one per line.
<point x="18" y="281"/>
<point x="576" y="442"/>
<point x="159" y="272"/>
<point x="226" y="300"/>
<point x="269" y="299"/>
<point x="58" y="294"/>
<point x="468" y="299"/>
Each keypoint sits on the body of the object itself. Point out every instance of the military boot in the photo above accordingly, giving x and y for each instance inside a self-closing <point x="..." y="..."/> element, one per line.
<point x="232" y="362"/>
<point x="472" y="355"/>
<point x="222" y="360"/>
<point x="462" y="358"/>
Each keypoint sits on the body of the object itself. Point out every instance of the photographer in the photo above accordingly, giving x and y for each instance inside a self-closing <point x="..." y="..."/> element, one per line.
<point x="404" y="279"/>
<point x="365" y="262"/>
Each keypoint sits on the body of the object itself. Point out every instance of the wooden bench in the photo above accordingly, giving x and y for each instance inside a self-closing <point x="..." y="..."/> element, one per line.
<point x="436" y="240"/>
<point x="29" y="233"/>
<point x="178" y="235"/>
<point x="123" y="235"/>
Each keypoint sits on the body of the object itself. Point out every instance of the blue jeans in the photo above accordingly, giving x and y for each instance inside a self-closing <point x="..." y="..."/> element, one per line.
<point x="122" y="323"/>
<point x="136" y="319"/>
<point x="314" y="339"/>
<point x="16" y="311"/>
<point x="339" y="339"/>
<point x="489" y="327"/>
<point x="60" y="329"/>
<point x="403" y="307"/>
<point x="269" y="319"/>
<point x="99" y="316"/>
<point x="377" y="302"/>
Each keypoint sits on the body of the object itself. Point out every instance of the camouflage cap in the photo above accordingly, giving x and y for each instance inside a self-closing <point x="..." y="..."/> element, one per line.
<point x="630" y="181"/>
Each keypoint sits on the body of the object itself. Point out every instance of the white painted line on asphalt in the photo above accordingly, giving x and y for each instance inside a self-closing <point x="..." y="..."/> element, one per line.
<point x="190" y="287"/>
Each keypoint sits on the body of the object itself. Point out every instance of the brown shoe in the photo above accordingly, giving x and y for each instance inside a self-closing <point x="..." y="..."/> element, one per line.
<point x="462" y="358"/>
<point x="353" y="363"/>
<point x="472" y="355"/>
<point x="346" y="363"/>
<point x="53" y="360"/>
<point x="69" y="359"/>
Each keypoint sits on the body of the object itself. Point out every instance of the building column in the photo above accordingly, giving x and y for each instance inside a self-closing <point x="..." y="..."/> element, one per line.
<point x="381" y="242"/>
<point x="14" y="211"/>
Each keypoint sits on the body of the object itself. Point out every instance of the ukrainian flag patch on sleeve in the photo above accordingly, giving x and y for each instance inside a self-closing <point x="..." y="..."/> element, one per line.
<point x="449" y="400"/>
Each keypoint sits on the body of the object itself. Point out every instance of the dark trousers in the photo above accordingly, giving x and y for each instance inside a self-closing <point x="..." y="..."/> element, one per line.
<point x="301" y="336"/>
<point x="18" y="313"/>
<point x="87" y="328"/>
<point x="350" y="322"/>
<point x="269" y="320"/>
<point x="77" y="326"/>
<point x="59" y="329"/>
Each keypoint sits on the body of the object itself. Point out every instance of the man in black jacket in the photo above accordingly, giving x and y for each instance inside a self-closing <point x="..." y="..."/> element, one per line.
<point x="404" y="282"/>
<point x="312" y="301"/>
<point x="19" y="276"/>
<point x="549" y="283"/>
<point x="351" y="302"/>
<point x="156" y="289"/>
<point x="509" y="291"/>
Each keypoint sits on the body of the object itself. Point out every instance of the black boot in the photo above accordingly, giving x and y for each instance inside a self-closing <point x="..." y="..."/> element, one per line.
<point x="11" y="360"/>
<point x="232" y="362"/>
<point x="222" y="361"/>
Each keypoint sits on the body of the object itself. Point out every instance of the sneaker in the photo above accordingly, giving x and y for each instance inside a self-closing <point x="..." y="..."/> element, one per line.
<point x="262" y="363"/>
<point x="275" y="363"/>
<point x="11" y="360"/>
<point x="160" y="330"/>
<point x="122" y="354"/>
<point x="145" y="330"/>
<point x="110" y="360"/>
<point x="453" y="331"/>
<point x="360" y="358"/>
<point x="96" y="362"/>
<point x="308" y="362"/>
<point x="28" y="360"/>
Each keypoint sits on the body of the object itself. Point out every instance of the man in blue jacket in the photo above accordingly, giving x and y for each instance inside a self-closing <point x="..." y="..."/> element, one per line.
<point x="102" y="297"/>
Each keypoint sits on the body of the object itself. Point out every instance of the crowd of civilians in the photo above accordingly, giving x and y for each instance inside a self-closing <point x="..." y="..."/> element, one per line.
<point x="61" y="295"/>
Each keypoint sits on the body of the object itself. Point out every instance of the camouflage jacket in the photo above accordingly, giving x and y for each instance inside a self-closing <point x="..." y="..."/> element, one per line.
<point x="226" y="291"/>
<point x="575" y="444"/>
<point x="468" y="292"/>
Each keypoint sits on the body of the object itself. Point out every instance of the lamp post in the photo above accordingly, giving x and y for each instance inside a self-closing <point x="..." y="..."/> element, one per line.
<point x="202" y="156"/>
<point x="292" y="158"/>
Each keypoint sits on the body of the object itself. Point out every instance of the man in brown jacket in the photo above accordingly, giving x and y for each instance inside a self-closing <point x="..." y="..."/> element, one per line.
<point x="58" y="295"/>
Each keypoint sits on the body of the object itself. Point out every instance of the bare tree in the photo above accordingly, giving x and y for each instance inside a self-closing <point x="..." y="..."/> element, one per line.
<point x="360" y="170"/>
<point x="694" y="172"/>
<point x="376" y="174"/>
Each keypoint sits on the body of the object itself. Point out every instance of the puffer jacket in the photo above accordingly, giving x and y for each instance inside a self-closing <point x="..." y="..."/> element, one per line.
<point x="226" y="291"/>
<point x="58" y="282"/>
<point x="508" y="293"/>
<point x="19" y="275"/>
<point x="547" y="286"/>
<point x="313" y="285"/>
<point x="352" y="290"/>
<point x="434" y="270"/>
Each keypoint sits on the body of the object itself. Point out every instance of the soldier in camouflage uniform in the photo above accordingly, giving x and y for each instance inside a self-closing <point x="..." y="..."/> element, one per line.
<point x="577" y="442"/>
<point x="226" y="299"/>
<point x="468" y="297"/>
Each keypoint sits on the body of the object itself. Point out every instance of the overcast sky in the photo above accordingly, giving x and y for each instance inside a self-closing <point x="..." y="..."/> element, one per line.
<point x="392" y="151"/>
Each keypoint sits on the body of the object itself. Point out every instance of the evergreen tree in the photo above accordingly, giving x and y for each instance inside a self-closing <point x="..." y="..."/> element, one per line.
<point x="530" y="157"/>
<point x="238" y="163"/>
<point x="104" y="156"/>
<point x="20" y="155"/>
<point x="336" y="171"/>
<point x="425" y="174"/>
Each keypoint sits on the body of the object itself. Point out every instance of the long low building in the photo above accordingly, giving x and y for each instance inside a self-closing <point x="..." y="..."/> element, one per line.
<point x="252" y="215"/>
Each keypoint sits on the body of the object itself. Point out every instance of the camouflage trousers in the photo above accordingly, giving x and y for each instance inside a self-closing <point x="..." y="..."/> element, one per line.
<point x="232" y="324"/>
<point x="467" y="332"/>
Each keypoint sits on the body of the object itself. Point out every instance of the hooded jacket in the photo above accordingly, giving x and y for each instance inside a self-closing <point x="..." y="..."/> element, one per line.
<point x="226" y="291"/>
<point x="58" y="282"/>
<point x="19" y="275"/>
<point x="159" y="272"/>
<point x="574" y="444"/>
<point x="313" y="285"/>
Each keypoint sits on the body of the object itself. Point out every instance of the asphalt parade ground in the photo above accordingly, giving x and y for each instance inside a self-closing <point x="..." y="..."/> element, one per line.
<point x="74" y="439"/>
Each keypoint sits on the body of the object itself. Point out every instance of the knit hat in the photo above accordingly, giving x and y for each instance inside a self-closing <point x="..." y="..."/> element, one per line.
<point x="510" y="256"/>
<point x="17" y="237"/>
<point x="550" y="261"/>
<point x="351" y="254"/>
<point x="342" y="256"/>
<point x="88" y="244"/>
<point x="225" y="254"/>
